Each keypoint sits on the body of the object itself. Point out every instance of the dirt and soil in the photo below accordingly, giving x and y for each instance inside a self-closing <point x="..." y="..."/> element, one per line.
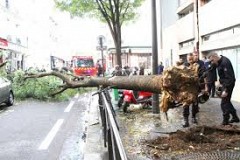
<point x="150" y="136"/>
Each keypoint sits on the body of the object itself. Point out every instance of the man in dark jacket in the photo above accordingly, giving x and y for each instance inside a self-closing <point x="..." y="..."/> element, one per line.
<point x="160" y="68"/>
<point x="211" y="77"/>
<point x="227" y="80"/>
<point x="191" y="59"/>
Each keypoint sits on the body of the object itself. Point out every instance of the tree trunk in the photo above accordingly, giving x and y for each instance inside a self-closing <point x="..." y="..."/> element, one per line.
<point x="140" y="83"/>
<point x="118" y="55"/>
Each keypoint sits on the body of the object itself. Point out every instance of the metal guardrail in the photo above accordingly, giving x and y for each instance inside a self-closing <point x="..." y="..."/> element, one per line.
<point x="111" y="135"/>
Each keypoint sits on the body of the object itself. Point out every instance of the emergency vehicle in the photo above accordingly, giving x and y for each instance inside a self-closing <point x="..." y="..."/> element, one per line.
<point x="83" y="66"/>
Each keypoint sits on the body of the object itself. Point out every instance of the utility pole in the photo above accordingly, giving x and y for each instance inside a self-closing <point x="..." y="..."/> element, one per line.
<point x="196" y="29"/>
<point x="155" y="97"/>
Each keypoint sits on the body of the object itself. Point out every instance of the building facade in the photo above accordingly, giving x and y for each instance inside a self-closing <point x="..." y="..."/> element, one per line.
<point x="14" y="43"/>
<point x="132" y="56"/>
<point x="201" y="25"/>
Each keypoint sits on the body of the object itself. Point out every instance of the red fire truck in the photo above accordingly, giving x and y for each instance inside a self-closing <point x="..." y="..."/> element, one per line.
<point x="83" y="66"/>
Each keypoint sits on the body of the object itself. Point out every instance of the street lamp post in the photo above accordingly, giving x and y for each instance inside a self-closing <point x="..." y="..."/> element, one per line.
<point x="155" y="97"/>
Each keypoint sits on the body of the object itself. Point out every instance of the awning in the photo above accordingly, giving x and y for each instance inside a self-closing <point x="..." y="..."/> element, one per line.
<point x="3" y="43"/>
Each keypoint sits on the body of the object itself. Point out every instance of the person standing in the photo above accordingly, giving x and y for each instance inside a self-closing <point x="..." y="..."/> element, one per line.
<point x="99" y="69"/>
<point x="227" y="80"/>
<point x="160" y="68"/>
<point x="117" y="71"/>
<point x="211" y="78"/>
<point x="191" y="59"/>
<point x="141" y="70"/>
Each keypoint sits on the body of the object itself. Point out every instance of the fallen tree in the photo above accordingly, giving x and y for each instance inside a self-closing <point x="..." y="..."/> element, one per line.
<point x="177" y="83"/>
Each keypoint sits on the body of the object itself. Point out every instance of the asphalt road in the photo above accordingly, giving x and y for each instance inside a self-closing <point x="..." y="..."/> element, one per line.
<point x="33" y="130"/>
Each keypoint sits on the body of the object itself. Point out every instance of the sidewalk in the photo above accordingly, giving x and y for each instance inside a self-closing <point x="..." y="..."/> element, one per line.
<point x="143" y="124"/>
<point x="94" y="148"/>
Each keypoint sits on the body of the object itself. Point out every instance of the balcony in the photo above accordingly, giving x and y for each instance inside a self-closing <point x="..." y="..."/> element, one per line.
<point x="218" y="15"/>
<point x="185" y="7"/>
<point x="223" y="39"/>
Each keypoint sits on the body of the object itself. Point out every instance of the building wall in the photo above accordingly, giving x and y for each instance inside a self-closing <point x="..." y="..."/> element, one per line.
<point x="217" y="15"/>
<point x="185" y="28"/>
<point x="177" y="30"/>
<point x="219" y="30"/>
<point x="169" y="9"/>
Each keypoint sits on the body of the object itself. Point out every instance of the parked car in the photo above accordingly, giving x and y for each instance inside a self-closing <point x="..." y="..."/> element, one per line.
<point x="6" y="92"/>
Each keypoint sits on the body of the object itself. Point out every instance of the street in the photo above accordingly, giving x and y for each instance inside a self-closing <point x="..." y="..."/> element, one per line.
<point x="43" y="130"/>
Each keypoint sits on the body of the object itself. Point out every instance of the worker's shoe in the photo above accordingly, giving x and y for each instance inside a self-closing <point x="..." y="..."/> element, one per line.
<point x="235" y="118"/>
<point x="225" y="120"/>
<point x="194" y="120"/>
<point x="186" y="123"/>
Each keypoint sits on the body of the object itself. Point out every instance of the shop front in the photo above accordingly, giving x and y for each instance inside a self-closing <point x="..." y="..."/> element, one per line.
<point x="3" y="49"/>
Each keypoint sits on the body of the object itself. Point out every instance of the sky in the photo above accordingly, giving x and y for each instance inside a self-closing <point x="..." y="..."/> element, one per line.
<point x="74" y="36"/>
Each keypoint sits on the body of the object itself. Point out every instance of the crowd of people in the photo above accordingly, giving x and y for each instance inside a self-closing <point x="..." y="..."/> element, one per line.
<point x="127" y="71"/>
<point x="213" y="69"/>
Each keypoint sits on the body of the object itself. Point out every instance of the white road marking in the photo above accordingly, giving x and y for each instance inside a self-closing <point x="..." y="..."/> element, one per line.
<point x="47" y="141"/>
<point x="69" y="106"/>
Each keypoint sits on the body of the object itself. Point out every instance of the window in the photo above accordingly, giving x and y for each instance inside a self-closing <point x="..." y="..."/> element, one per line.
<point x="186" y="44"/>
<point x="185" y="7"/>
<point x="18" y="41"/>
<point x="222" y="34"/>
<point x="85" y="63"/>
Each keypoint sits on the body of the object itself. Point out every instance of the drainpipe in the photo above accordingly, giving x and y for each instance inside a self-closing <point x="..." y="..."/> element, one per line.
<point x="196" y="29"/>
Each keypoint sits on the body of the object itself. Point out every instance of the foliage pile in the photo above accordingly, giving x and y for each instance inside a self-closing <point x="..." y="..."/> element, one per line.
<point x="38" y="88"/>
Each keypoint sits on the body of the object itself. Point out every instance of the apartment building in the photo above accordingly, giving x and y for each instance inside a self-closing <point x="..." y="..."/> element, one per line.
<point x="13" y="44"/>
<point x="28" y="36"/>
<point x="203" y="25"/>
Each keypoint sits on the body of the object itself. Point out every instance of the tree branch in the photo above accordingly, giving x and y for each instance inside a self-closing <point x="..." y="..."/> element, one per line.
<point x="62" y="90"/>
<point x="125" y="12"/>
<point x="107" y="17"/>
<point x="3" y="64"/>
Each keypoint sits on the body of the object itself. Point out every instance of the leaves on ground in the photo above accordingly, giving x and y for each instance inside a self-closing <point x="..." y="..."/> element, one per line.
<point x="139" y="138"/>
